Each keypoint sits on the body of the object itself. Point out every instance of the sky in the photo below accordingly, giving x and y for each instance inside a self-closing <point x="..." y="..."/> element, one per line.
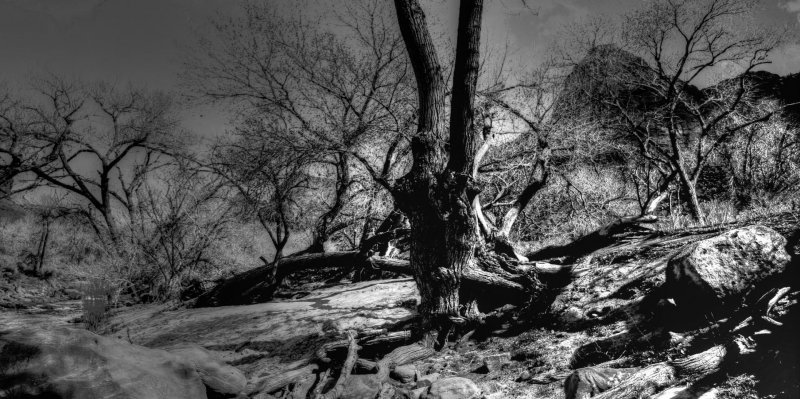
<point x="144" y="41"/>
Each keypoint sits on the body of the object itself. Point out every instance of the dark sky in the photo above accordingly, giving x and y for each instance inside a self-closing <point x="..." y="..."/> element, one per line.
<point x="142" y="41"/>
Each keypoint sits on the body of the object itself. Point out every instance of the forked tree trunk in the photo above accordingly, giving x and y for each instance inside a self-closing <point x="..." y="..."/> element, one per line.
<point x="438" y="192"/>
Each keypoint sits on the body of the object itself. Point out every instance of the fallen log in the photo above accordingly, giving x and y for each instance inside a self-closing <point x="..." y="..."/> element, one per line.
<point x="652" y="379"/>
<point x="321" y="382"/>
<point x="367" y="340"/>
<point x="400" y="356"/>
<point x="589" y="381"/>
<point x="389" y="338"/>
<point x="259" y="284"/>
<point x="551" y="377"/>
<point x="616" y="345"/>
<point x="600" y="238"/>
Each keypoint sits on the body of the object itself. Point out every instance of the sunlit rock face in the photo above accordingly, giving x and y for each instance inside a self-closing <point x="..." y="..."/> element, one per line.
<point x="721" y="274"/>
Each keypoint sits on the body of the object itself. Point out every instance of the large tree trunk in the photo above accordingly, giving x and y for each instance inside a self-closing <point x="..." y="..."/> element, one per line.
<point x="437" y="198"/>
<point x="437" y="277"/>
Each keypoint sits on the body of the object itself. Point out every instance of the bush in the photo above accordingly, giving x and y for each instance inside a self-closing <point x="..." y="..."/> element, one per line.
<point x="99" y="296"/>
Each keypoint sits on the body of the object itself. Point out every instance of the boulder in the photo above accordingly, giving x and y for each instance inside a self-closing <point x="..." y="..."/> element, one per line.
<point x="427" y="380"/>
<point x="589" y="381"/>
<point x="453" y="388"/>
<point x="220" y="378"/>
<point x="361" y="386"/>
<point x="405" y="374"/>
<point x="722" y="273"/>
<point x="71" y="363"/>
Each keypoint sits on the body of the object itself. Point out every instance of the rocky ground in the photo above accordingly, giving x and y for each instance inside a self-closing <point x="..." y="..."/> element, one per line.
<point x="603" y="320"/>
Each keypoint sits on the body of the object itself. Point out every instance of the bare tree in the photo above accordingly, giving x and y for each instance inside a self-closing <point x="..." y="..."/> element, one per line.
<point x="49" y="210"/>
<point x="763" y="160"/>
<point x="184" y="213"/>
<point x="336" y="95"/>
<point x="438" y="191"/>
<point x="684" y="44"/>
<point x="99" y="142"/>
<point x="21" y="147"/>
<point x="268" y="180"/>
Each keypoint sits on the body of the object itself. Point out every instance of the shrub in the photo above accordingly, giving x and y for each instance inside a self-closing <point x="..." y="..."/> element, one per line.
<point x="99" y="295"/>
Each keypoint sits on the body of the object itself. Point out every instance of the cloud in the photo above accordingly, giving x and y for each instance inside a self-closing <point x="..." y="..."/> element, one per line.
<point x="792" y="6"/>
<point x="786" y="59"/>
<point x="63" y="11"/>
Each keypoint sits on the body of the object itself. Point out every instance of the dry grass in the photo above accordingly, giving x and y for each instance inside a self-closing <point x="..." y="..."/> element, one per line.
<point x="739" y="387"/>
<point x="75" y="254"/>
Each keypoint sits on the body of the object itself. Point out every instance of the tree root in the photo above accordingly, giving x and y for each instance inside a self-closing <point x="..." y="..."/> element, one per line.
<point x="400" y="356"/>
<point x="299" y="376"/>
<point x="366" y="339"/>
<point x="656" y="377"/>
<point x="494" y="271"/>
<point x="347" y="368"/>
<point x="272" y="383"/>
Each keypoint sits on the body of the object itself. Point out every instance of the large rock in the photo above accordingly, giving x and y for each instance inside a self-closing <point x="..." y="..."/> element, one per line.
<point x="71" y="363"/>
<point x="720" y="274"/>
<point x="453" y="388"/>
<point x="589" y="381"/>
<point x="220" y="378"/>
<point x="405" y="373"/>
<point x="361" y="386"/>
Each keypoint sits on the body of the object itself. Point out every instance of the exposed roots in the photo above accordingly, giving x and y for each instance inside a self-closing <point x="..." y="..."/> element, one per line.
<point x="302" y="379"/>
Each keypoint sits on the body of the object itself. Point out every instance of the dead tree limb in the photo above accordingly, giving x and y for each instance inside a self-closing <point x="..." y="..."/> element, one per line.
<point x="347" y="368"/>
<point x="321" y="382"/>
<point x="259" y="284"/>
<point x="656" y="377"/>
<point x="400" y="356"/>
<point x="593" y="241"/>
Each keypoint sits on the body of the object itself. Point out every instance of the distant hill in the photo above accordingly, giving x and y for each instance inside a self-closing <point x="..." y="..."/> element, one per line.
<point x="769" y="86"/>
<point x="609" y="72"/>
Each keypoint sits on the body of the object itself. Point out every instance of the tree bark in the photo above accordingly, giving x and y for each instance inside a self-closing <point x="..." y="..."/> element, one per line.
<point x="437" y="198"/>
<point x="536" y="182"/>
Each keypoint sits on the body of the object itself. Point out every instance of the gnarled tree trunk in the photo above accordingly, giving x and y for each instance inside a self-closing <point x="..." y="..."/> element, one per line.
<point x="437" y="193"/>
